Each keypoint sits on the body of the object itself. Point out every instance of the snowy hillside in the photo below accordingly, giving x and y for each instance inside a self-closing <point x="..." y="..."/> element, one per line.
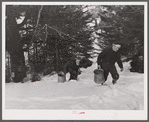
<point x="84" y="94"/>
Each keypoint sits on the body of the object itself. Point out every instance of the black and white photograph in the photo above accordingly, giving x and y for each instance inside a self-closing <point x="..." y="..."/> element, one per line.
<point x="74" y="60"/>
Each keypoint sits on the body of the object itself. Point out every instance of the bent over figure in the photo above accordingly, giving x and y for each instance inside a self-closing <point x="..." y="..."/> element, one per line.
<point x="107" y="59"/>
<point x="73" y="68"/>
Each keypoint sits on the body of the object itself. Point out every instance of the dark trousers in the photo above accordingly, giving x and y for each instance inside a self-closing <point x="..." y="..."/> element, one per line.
<point x="73" y="74"/>
<point x="110" y="69"/>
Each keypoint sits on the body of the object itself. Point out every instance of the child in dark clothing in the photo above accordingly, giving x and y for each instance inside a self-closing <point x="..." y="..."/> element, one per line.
<point x="73" y="68"/>
<point x="107" y="59"/>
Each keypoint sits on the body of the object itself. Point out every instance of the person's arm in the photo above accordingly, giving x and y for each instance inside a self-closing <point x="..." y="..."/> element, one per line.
<point x="100" y="57"/>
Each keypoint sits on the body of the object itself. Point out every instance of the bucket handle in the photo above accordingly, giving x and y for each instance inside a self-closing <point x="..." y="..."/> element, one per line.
<point x="100" y="69"/>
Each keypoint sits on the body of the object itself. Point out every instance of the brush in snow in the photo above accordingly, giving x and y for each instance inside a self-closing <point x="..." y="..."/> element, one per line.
<point x="35" y="77"/>
<point x="25" y="79"/>
<point x="99" y="76"/>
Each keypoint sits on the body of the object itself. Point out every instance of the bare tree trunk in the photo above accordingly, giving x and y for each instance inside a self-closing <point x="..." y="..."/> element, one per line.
<point x="16" y="52"/>
<point x="36" y="28"/>
<point x="18" y="64"/>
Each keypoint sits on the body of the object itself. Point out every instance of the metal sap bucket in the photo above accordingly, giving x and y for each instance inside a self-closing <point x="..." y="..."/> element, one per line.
<point x="99" y="76"/>
<point x="61" y="78"/>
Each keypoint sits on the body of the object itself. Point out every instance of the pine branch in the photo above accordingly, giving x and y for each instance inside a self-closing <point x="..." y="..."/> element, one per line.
<point x="40" y="30"/>
<point x="59" y="32"/>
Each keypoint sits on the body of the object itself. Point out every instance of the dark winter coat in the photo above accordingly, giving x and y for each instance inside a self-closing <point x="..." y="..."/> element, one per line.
<point x="107" y="58"/>
<point x="69" y="66"/>
<point x="85" y="63"/>
<point x="73" y="69"/>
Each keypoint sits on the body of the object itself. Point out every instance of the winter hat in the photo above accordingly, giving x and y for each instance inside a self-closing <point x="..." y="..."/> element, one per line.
<point x="78" y="58"/>
<point x="117" y="44"/>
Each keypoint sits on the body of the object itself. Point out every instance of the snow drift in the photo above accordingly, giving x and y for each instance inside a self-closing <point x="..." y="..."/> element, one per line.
<point x="127" y="94"/>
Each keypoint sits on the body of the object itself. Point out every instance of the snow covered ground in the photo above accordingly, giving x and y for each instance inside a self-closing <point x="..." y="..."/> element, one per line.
<point x="84" y="94"/>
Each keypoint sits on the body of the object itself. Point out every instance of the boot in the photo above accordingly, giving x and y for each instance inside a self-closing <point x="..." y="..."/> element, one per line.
<point x="114" y="81"/>
<point x="103" y="83"/>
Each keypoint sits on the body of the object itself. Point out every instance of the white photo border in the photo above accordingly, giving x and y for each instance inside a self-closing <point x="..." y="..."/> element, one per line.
<point x="13" y="114"/>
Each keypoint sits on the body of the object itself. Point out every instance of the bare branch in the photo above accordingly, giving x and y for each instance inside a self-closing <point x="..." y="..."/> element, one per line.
<point x="38" y="18"/>
<point x="59" y="32"/>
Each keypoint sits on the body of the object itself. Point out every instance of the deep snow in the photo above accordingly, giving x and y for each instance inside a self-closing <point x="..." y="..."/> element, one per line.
<point x="127" y="94"/>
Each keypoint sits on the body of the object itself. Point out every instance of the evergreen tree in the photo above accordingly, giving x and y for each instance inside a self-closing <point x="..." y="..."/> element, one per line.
<point x="51" y="35"/>
<point x="68" y="34"/>
<point x="15" y="32"/>
<point x="13" y="45"/>
<point x="122" y="23"/>
<point x="126" y="25"/>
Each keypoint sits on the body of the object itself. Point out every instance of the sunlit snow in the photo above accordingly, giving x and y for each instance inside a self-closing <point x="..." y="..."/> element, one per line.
<point x="127" y="94"/>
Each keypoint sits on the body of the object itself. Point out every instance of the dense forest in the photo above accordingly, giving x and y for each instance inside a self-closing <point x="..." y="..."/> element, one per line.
<point x="42" y="38"/>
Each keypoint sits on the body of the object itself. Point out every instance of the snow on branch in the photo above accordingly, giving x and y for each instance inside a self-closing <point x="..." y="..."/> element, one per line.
<point x="59" y="32"/>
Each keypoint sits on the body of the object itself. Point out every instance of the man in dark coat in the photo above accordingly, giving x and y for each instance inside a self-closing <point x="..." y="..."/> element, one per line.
<point x="107" y="59"/>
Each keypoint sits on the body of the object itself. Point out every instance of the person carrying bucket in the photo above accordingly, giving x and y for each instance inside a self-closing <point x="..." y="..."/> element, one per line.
<point x="106" y="60"/>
